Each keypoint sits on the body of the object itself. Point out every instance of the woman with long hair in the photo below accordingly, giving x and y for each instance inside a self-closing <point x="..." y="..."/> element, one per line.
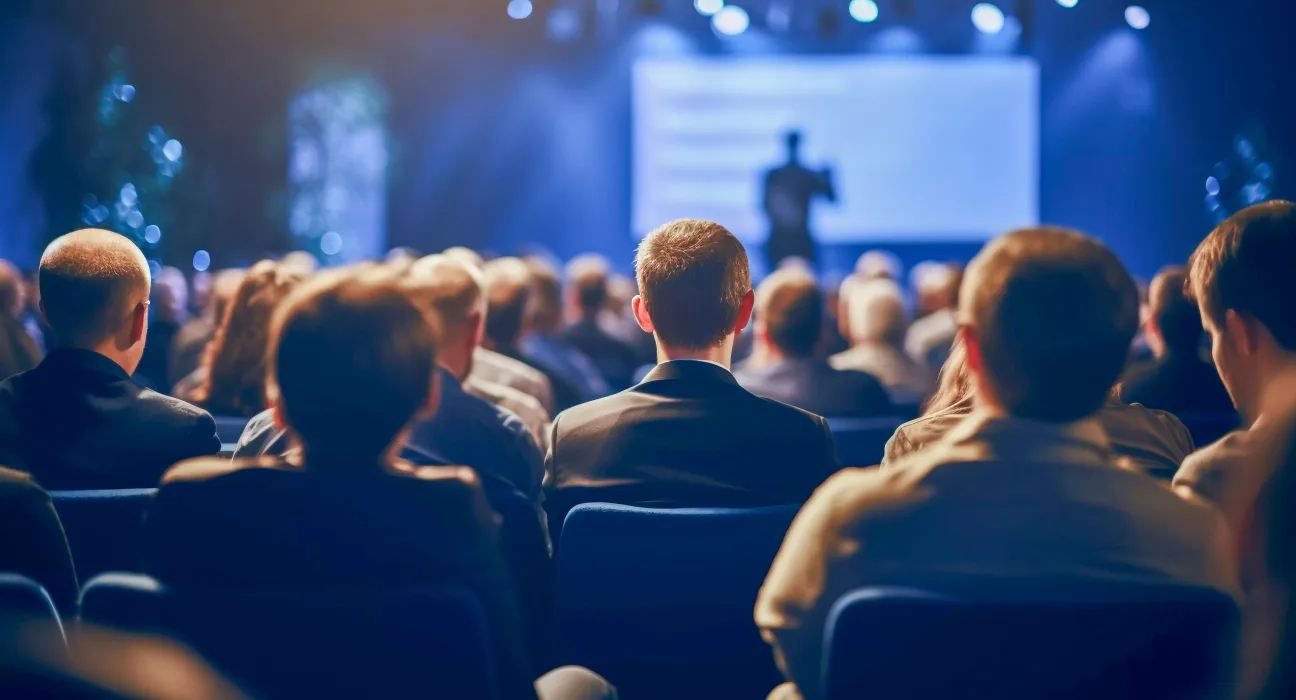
<point x="234" y="366"/>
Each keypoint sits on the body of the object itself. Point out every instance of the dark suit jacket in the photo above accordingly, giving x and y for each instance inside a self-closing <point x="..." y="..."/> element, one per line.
<point x="77" y="421"/>
<point x="269" y="523"/>
<point x="615" y="360"/>
<point x="1179" y="384"/>
<point x="33" y="543"/>
<point x="688" y="435"/>
<point x="811" y="384"/>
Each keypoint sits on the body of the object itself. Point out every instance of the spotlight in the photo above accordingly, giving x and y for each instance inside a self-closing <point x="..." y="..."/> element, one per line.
<point x="988" y="18"/>
<point x="863" y="10"/>
<point x="331" y="243"/>
<point x="1138" y="17"/>
<point x="152" y="234"/>
<point x="1068" y="3"/>
<point x="520" y="9"/>
<point x="708" y="8"/>
<point x="563" y="24"/>
<point x="201" y="261"/>
<point x="730" y="20"/>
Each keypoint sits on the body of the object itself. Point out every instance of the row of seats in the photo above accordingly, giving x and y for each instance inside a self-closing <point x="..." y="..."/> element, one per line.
<point x="660" y="603"/>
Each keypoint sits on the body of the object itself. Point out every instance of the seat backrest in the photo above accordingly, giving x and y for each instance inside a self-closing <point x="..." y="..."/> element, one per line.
<point x="1031" y="640"/>
<point x="862" y="441"/>
<point x="24" y="601"/>
<point x="230" y="428"/>
<point x="353" y="642"/>
<point x="659" y="596"/>
<point x="103" y="527"/>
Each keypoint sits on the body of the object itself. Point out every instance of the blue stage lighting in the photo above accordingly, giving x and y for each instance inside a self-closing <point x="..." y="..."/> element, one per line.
<point x="730" y="21"/>
<point x="1138" y="17"/>
<point x="1068" y="3"/>
<point x="202" y="261"/>
<point x="988" y="18"/>
<point x="520" y="9"/>
<point x="864" y="10"/>
<point x="708" y="7"/>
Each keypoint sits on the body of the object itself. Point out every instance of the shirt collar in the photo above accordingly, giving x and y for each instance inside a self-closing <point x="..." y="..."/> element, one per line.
<point x="1023" y="439"/>
<point x="84" y="360"/>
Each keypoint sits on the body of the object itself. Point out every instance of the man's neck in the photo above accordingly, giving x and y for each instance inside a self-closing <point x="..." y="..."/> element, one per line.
<point x="1279" y="390"/>
<point x="107" y="350"/>
<point x="721" y="354"/>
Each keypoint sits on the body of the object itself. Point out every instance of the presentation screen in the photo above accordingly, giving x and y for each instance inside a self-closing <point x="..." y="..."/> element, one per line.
<point x="914" y="149"/>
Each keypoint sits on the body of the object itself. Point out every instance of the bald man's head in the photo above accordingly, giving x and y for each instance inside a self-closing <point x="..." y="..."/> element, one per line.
<point x="92" y="284"/>
<point x="508" y="292"/>
<point x="451" y="290"/>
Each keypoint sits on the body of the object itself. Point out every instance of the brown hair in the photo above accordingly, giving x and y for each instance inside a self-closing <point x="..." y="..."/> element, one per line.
<point x="1173" y="312"/>
<point x="508" y="296"/>
<point x="90" y="281"/>
<point x="588" y="277"/>
<point x="955" y="382"/>
<point x="791" y="307"/>
<point x="693" y="276"/>
<point x="450" y="289"/>
<point x="1054" y="313"/>
<point x="1245" y="265"/>
<point x="352" y="361"/>
<point x="235" y="360"/>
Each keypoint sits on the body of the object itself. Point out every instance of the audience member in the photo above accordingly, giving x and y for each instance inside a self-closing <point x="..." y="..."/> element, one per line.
<point x="231" y="379"/>
<point x="169" y="303"/>
<point x="353" y="365"/>
<point x="500" y="370"/>
<point x="191" y="342"/>
<point x="1152" y="441"/>
<point x="1241" y="279"/>
<point x="688" y="434"/>
<point x="1026" y="487"/>
<point x="877" y="322"/>
<point x="34" y="545"/>
<point x="544" y="346"/>
<point x="1178" y="379"/>
<point x="873" y="264"/>
<point x="508" y="317"/>
<point x="587" y="297"/>
<point x="18" y="349"/>
<point x="301" y="261"/>
<point x="930" y="337"/>
<point x="77" y="421"/>
<point x="1271" y="640"/>
<point x="789" y="311"/>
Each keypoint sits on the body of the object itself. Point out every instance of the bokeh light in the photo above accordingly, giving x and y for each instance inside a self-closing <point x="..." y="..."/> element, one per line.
<point x="520" y="9"/>
<point x="1138" y="17"/>
<point x="201" y="261"/>
<point x="708" y="7"/>
<point x="152" y="234"/>
<point x="988" y="18"/>
<point x="331" y="243"/>
<point x="863" y="10"/>
<point x="730" y="21"/>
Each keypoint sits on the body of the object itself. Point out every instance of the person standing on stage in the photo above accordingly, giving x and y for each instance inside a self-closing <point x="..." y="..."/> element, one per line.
<point x="789" y="189"/>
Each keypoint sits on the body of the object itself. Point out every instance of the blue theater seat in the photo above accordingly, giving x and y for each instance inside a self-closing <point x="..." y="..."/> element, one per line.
<point x="103" y="527"/>
<point x="660" y="602"/>
<point x="1032" y="640"/>
<point x="24" y="601"/>
<point x="861" y="441"/>
<point x="399" y="642"/>
<point x="230" y="428"/>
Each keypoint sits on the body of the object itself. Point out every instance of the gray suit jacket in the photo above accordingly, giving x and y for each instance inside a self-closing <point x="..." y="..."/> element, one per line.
<point x="995" y="498"/>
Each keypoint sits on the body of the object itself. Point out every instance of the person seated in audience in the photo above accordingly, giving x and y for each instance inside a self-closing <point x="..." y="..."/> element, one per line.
<point x="1026" y="487"/>
<point x="190" y="344"/>
<point x="508" y="319"/>
<point x="1241" y="279"/>
<point x="688" y="434"/>
<point x="1178" y="379"/>
<point x="354" y="369"/>
<point x="929" y="338"/>
<point x="34" y="544"/>
<point x="231" y="379"/>
<point x="877" y="322"/>
<point x="1152" y="441"/>
<point x="169" y="305"/>
<point x="789" y="310"/>
<point x="77" y="421"/>
<point x="875" y="264"/>
<point x="18" y="350"/>
<point x="1269" y="640"/>
<point x="587" y="293"/>
<point x="544" y="347"/>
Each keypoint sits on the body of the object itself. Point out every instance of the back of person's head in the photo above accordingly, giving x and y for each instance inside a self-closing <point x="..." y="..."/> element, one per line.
<point x="12" y="293"/>
<point x="620" y="291"/>
<point x="877" y="312"/>
<point x="790" y="312"/>
<point x="508" y="297"/>
<point x="170" y="295"/>
<point x="878" y="263"/>
<point x="1245" y="266"/>
<point x="1173" y="314"/>
<point x="935" y="285"/>
<point x="94" y="289"/>
<point x="546" y="295"/>
<point x="225" y="284"/>
<point x="352" y="363"/>
<point x="235" y="358"/>
<point x="302" y="261"/>
<point x="467" y="256"/>
<point x="452" y="292"/>
<point x="1048" y="316"/>
<point x="587" y="277"/>
<point x="694" y="280"/>
<point x="955" y="382"/>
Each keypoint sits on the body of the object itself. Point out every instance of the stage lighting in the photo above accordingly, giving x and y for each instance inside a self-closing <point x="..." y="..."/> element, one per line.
<point x="1212" y="186"/>
<point x="1068" y="3"/>
<point x="1138" y="17"/>
<point x="201" y="261"/>
<point x="152" y="234"/>
<point x="520" y="9"/>
<point x="863" y="10"/>
<point x="730" y="20"/>
<point x="331" y="243"/>
<point x="708" y="8"/>
<point x="563" y="24"/>
<point x="988" y="18"/>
